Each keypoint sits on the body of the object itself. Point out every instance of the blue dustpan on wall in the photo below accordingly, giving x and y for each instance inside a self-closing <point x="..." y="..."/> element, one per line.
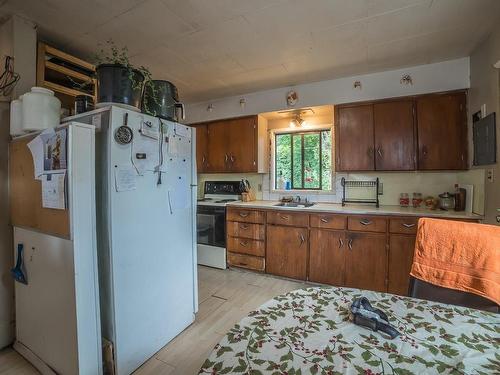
<point x="18" y="272"/>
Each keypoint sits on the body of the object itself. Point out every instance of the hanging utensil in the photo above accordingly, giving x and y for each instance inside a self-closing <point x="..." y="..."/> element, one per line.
<point x="18" y="272"/>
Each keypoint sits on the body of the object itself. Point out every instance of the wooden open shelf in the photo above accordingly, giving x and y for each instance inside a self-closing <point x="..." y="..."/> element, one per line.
<point x="58" y="71"/>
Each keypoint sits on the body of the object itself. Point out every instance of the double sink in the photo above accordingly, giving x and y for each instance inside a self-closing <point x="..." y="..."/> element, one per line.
<point x="295" y="204"/>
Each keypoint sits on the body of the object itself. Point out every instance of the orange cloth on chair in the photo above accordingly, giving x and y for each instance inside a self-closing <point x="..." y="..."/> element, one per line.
<point x="459" y="255"/>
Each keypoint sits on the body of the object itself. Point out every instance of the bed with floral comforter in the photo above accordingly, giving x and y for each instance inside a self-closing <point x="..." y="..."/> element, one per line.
<point x="308" y="331"/>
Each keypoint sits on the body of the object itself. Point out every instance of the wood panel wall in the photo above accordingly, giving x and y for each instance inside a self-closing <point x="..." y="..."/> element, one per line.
<point x="25" y="193"/>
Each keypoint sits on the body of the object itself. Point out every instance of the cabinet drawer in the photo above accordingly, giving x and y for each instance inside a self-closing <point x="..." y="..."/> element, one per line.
<point x="246" y="261"/>
<point x="403" y="225"/>
<point x="245" y="216"/>
<point x="246" y="246"/>
<point x="246" y="230"/>
<point x="287" y="218"/>
<point x="367" y="223"/>
<point x="328" y="221"/>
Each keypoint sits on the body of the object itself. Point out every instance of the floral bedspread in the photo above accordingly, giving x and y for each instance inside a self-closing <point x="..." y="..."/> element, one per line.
<point x="308" y="331"/>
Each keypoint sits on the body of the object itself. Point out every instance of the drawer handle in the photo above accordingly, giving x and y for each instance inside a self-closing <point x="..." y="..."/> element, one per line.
<point x="244" y="243"/>
<point x="302" y="239"/>
<point x="242" y="264"/>
<point x="365" y="222"/>
<point x="341" y="242"/>
<point x="244" y="226"/>
<point x="324" y="220"/>
<point x="285" y="217"/>
<point x="408" y="225"/>
<point x="350" y="244"/>
<point x="243" y="214"/>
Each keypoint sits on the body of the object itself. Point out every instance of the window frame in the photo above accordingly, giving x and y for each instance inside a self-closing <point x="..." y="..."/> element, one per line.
<point x="292" y="131"/>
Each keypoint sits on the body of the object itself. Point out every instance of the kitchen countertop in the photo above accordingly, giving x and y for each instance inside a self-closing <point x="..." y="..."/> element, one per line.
<point x="360" y="209"/>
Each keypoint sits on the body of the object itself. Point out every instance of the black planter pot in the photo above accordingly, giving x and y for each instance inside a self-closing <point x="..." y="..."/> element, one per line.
<point x="117" y="84"/>
<point x="160" y="99"/>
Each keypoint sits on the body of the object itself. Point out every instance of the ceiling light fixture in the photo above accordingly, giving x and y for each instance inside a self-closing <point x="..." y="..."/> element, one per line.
<point x="297" y="121"/>
<point x="406" y="79"/>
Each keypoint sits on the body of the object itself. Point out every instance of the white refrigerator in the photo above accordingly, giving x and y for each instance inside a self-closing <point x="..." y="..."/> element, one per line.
<point x="146" y="231"/>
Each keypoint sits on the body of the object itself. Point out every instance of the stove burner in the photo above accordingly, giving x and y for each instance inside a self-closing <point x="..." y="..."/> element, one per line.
<point x="204" y="199"/>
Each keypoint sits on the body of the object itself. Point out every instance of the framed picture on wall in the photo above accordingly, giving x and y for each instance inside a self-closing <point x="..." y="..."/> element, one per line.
<point x="485" y="140"/>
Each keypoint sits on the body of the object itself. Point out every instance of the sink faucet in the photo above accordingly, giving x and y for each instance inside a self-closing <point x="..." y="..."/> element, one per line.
<point x="297" y="199"/>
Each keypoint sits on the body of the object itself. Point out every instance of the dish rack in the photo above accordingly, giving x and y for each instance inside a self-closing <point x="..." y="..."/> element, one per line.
<point x="374" y="184"/>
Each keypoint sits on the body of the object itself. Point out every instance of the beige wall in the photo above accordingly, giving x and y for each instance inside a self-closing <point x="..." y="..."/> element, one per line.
<point x="485" y="89"/>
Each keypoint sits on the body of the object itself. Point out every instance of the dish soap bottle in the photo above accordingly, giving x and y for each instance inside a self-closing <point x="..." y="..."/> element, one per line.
<point x="281" y="182"/>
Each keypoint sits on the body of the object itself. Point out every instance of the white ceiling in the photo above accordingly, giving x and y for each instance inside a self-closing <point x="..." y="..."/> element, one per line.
<point x="216" y="48"/>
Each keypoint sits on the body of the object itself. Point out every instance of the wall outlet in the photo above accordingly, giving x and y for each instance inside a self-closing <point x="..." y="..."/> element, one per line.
<point x="259" y="187"/>
<point x="380" y="188"/>
<point x="490" y="175"/>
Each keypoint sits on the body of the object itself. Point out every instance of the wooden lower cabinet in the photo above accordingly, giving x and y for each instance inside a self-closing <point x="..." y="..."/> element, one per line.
<point x="401" y="248"/>
<point x="365" y="252"/>
<point x="366" y="261"/>
<point x="246" y="261"/>
<point x="286" y="251"/>
<point x="327" y="256"/>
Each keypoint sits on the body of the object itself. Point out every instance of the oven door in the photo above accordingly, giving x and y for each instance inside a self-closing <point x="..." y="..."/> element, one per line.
<point x="211" y="226"/>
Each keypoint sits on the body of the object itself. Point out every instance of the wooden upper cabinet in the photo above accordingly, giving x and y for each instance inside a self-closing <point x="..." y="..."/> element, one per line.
<point x="354" y="138"/>
<point x="394" y="136"/>
<point x="201" y="147"/>
<point x="236" y="145"/>
<point x="442" y="131"/>
<point x="427" y="132"/>
<point x="242" y="145"/>
<point x="218" y="138"/>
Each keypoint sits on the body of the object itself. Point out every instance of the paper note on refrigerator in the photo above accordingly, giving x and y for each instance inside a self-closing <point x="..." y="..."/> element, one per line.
<point x="179" y="192"/>
<point x="145" y="153"/>
<point x="37" y="149"/>
<point x="53" y="191"/>
<point x="179" y="146"/>
<point x="125" y="178"/>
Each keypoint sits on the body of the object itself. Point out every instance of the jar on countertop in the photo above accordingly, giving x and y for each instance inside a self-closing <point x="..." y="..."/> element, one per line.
<point x="404" y="200"/>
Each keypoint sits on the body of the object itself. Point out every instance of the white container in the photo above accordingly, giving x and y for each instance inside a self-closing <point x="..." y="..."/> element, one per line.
<point x="41" y="109"/>
<point x="16" y="117"/>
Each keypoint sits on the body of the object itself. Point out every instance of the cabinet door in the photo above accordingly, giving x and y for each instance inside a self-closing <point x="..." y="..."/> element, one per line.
<point x="217" y="144"/>
<point x="327" y="256"/>
<point x="366" y="261"/>
<point x="286" y="251"/>
<point x="242" y="144"/>
<point x="201" y="147"/>
<point x="442" y="132"/>
<point x="394" y="140"/>
<point x="401" y="249"/>
<point x="354" y="140"/>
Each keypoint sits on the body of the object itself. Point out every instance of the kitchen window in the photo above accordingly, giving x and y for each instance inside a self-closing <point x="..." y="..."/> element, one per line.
<point x="303" y="160"/>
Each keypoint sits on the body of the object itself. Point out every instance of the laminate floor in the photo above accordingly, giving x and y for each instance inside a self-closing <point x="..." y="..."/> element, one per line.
<point x="225" y="297"/>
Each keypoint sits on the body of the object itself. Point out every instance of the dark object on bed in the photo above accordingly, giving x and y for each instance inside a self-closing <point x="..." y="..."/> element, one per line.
<point x="424" y="290"/>
<point x="364" y="314"/>
<point x="485" y="140"/>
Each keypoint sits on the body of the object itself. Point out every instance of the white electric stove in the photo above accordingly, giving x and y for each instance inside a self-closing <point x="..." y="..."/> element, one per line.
<point x="211" y="221"/>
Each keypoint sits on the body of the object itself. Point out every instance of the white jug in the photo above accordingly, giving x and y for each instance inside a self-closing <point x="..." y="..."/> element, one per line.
<point x="16" y="117"/>
<point x="41" y="109"/>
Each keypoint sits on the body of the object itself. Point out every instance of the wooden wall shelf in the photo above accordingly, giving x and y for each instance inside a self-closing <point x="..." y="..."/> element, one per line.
<point x="59" y="71"/>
